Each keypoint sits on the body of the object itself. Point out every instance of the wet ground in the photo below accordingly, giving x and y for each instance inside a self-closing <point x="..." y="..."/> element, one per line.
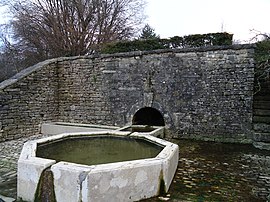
<point x="220" y="172"/>
<point x="9" y="155"/>
<point x="206" y="172"/>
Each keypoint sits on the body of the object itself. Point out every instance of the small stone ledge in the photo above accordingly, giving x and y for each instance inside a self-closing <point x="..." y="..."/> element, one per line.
<point x="262" y="145"/>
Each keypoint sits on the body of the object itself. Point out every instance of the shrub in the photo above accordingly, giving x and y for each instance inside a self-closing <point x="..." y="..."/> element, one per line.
<point x="197" y="40"/>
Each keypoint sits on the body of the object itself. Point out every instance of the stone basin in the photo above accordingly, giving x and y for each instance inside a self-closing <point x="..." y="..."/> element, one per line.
<point x="128" y="180"/>
<point x="155" y="131"/>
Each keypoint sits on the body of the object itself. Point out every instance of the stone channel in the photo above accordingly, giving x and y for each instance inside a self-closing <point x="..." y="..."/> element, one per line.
<point x="206" y="172"/>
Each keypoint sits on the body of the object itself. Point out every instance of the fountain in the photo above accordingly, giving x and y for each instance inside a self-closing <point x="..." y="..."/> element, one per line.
<point x="137" y="166"/>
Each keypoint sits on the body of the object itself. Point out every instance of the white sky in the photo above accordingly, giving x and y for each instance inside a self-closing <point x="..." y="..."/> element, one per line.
<point x="3" y="14"/>
<point x="183" y="17"/>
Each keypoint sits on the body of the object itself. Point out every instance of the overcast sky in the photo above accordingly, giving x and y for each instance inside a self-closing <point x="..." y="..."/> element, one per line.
<point x="183" y="17"/>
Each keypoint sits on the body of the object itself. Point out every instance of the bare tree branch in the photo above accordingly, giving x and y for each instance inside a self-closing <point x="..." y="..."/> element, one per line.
<point x="259" y="36"/>
<point x="262" y="73"/>
<point x="75" y="27"/>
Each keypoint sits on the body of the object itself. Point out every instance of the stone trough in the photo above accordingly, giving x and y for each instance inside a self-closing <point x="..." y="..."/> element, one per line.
<point x="131" y="180"/>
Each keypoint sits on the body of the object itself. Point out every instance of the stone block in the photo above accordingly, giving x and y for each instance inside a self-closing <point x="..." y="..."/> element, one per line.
<point x="68" y="179"/>
<point x="124" y="181"/>
<point x="29" y="172"/>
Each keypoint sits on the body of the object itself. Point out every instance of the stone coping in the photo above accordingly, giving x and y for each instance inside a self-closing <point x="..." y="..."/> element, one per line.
<point x="121" y="181"/>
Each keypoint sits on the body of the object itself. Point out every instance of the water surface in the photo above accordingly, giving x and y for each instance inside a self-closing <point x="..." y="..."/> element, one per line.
<point x="99" y="150"/>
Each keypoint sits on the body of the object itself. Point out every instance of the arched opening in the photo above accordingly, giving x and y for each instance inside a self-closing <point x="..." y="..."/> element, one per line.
<point x="148" y="116"/>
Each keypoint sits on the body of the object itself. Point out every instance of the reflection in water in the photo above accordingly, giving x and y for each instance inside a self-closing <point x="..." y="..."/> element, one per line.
<point x="219" y="172"/>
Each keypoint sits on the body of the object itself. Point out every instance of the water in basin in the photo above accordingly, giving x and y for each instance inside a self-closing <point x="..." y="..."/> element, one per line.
<point x="98" y="150"/>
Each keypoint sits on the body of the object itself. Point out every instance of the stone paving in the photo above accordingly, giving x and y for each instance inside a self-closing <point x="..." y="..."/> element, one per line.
<point x="9" y="155"/>
<point x="220" y="172"/>
<point x="206" y="172"/>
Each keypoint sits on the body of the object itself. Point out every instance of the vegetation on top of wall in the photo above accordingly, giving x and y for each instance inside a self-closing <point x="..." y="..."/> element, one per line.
<point x="190" y="41"/>
<point x="262" y="68"/>
<point x="262" y="51"/>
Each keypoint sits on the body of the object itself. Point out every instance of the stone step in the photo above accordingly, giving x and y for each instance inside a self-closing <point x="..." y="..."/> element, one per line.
<point x="262" y="145"/>
<point x="261" y="127"/>
<point x="261" y="119"/>
<point x="262" y="137"/>
<point x="261" y="104"/>
<point x="262" y="97"/>
<point x="261" y="112"/>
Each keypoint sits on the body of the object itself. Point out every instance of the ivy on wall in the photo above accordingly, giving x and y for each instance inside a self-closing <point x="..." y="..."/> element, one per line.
<point x="262" y="68"/>
<point x="190" y="41"/>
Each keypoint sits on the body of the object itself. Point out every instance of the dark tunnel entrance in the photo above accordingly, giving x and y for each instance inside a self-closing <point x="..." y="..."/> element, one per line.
<point x="148" y="116"/>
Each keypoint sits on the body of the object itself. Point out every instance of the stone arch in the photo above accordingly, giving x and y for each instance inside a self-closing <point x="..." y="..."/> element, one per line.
<point x="148" y="116"/>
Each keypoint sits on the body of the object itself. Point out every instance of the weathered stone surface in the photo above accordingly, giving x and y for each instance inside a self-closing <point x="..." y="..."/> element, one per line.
<point x="203" y="93"/>
<point x="124" y="182"/>
<point x="262" y="145"/>
<point x="6" y="199"/>
<point x="68" y="179"/>
<point x="29" y="172"/>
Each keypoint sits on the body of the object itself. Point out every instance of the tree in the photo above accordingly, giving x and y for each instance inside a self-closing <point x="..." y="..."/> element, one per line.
<point x="43" y="29"/>
<point x="54" y="28"/>
<point x="148" y="33"/>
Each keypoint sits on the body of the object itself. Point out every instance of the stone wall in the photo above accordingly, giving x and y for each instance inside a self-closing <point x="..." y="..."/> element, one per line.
<point x="81" y="94"/>
<point x="203" y="93"/>
<point x="28" y="99"/>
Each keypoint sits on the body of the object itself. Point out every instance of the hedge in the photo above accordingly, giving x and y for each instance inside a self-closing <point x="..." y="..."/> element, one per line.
<point x="197" y="40"/>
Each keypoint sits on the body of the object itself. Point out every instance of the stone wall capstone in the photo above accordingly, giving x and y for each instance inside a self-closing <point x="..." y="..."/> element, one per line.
<point x="202" y="93"/>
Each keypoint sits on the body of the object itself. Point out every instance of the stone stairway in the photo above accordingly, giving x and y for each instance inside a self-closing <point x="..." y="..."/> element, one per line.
<point x="261" y="117"/>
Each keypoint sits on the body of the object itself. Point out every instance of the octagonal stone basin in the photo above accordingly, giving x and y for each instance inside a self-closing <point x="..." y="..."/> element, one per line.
<point x="126" y="180"/>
